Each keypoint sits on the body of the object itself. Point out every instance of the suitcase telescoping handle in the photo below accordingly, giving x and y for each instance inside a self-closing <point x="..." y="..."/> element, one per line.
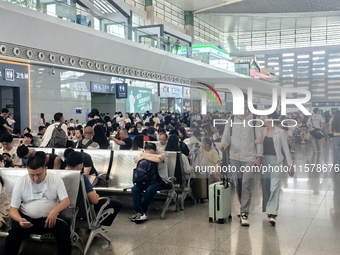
<point x="224" y="178"/>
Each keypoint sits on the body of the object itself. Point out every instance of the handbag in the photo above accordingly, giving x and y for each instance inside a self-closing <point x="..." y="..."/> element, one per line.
<point x="316" y="132"/>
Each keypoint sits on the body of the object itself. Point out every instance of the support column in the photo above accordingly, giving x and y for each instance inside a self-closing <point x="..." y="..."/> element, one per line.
<point x="204" y="104"/>
<point x="189" y="24"/>
<point x="150" y="10"/>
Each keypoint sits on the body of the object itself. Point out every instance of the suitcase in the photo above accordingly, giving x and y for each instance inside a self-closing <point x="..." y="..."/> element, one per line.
<point x="200" y="188"/>
<point x="219" y="201"/>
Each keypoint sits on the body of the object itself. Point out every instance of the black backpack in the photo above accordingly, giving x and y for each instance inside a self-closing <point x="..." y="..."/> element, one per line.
<point x="58" y="138"/>
<point x="84" y="146"/>
<point x="145" y="172"/>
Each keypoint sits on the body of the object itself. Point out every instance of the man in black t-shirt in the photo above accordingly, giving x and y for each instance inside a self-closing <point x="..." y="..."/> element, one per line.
<point x="167" y="118"/>
<point x="124" y="141"/>
<point x="4" y="127"/>
<point x="88" y="168"/>
<point x="100" y="129"/>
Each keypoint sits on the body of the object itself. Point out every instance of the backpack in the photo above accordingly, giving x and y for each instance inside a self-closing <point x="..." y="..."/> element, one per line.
<point x="145" y="172"/>
<point x="58" y="138"/>
<point x="84" y="146"/>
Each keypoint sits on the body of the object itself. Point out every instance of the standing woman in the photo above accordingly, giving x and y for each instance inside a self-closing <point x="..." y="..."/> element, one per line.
<point x="335" y="129"/>
<point x="42" y="120"/>
<point x="274" y="142"/>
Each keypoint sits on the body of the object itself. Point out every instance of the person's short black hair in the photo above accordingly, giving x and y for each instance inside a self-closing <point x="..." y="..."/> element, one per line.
<point x="95" y="112"/>
<point x="4" y="110"/>
<point x="196" y="133"/>
<point x="28" y="129"/>
<point x="147" y="124"/>
<point x="67" y="152"/>
<point x="71" y="120"/>
<point x="6" y="138"/>
<point x="37" y="161"/>
<point x="71" y="128"/>
<point x="315" y="110"/>
<point x="28" y="135"/>
<point x="90" y="115"/>
<point x="79" y="127"/>
<point x="128" y="126"/>
<point x="22" y="151"/>
<point x="74" y="158"/>
<point x="58" y="116"/>
<point x="6" y="154"/>
<point x="151" y="131"/>
<point x="150" y="146"/>
<point x="41" y="128"/>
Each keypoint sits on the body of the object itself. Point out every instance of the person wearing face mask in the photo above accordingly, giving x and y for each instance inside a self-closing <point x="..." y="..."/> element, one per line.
<point x="275" y="141"/>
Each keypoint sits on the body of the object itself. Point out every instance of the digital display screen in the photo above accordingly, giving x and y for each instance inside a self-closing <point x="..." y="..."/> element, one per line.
<point x="97" y="87"/>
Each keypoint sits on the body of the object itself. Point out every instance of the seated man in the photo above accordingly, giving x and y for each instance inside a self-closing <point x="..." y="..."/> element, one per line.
<point x="52" y="161"/>
<point x="160" y="182"/>
<point x="35" y="207"/>
<point x="87" y="167"/>
<point x="75" y="161"/>
<point x="124" y="141"/>
<point x="87" y="142"/>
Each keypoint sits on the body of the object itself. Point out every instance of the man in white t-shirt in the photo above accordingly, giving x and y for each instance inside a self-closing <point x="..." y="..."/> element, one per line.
<point x="315" y="121"/>
<point x="35" y="207"/>
<point x="59" y="119"/>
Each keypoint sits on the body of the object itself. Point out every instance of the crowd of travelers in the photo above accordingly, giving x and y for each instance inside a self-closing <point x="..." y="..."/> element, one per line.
<point x="153" y="134"/>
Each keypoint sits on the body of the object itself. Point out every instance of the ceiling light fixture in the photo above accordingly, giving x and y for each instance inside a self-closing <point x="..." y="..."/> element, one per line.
<point x="225" y="2"/>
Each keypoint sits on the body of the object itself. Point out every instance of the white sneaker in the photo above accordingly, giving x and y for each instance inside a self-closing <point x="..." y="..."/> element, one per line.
<point x="292" y="151"/>
<point x="141" y="218"/>
<point x="272" y="220"/>
<point x="244" y="220"/>
<point x="135" y="216"/>
<point x="303" y="142"/>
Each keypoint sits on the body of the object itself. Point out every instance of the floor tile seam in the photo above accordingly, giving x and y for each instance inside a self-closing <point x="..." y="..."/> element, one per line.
<point x="312" y="219"/>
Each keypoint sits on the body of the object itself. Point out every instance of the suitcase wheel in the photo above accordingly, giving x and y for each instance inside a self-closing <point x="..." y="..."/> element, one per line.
<point x="220" y="221"/>
<point x="210" y="219"/>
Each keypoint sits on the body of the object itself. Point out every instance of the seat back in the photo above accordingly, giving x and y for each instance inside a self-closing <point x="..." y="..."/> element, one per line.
<point x="171" y="157"/>
<point x="122" y="169"/>
<point x="86" y="214"/>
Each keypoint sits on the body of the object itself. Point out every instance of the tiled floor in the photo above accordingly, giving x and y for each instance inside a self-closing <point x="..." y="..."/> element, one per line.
<point x="306" y="225"/>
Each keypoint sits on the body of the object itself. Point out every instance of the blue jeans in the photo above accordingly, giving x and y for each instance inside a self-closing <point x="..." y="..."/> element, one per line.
<point x="150" y="191"/>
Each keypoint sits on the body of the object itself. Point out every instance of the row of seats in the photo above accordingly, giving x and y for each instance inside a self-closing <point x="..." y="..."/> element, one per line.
<point x="80" y="214"/>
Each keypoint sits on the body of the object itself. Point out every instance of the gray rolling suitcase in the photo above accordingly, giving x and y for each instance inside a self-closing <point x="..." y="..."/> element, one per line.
<point x="220" y="201"/>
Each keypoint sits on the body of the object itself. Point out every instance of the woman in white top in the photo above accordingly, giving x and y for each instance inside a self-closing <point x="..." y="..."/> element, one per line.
<point x="127" y="118"/>
<point x="274" y="141"/>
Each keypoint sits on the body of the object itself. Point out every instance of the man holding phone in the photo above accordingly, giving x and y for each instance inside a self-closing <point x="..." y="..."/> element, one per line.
<point x="35" y="207"/>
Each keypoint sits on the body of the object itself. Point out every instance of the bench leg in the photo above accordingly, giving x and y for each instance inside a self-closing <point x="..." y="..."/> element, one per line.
<point x="168" y="200"/>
